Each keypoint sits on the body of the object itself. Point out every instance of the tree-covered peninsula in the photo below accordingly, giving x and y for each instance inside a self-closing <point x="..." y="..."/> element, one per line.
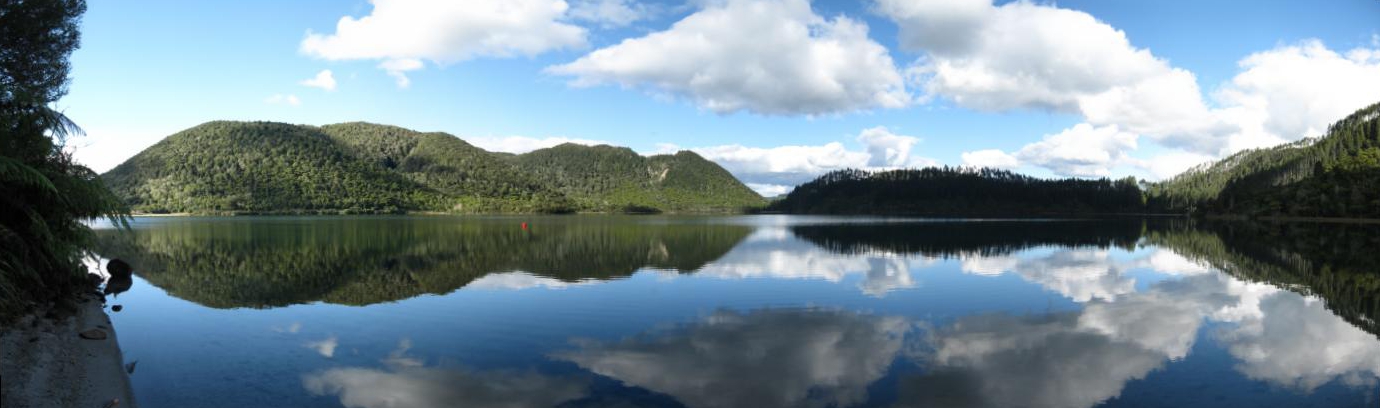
<point x="956" y="191"/>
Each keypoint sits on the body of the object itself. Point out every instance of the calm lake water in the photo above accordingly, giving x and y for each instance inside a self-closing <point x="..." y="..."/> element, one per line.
<point x="759" y="311"/>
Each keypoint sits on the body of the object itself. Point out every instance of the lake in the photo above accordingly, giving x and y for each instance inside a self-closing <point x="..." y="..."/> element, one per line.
<point x="751" y="311"/>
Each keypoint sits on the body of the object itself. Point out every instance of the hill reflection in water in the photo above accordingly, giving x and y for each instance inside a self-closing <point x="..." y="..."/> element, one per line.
<point x="782" y="311"/>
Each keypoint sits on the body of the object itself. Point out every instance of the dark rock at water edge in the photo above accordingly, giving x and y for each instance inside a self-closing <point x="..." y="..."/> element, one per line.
<point x="118" y="268"/>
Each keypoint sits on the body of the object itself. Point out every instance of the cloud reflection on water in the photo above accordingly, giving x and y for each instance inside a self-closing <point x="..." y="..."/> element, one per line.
<point x="763" y="358"/>
<point x="1079" y="359"/>
<point x="406" y="383"/>
<point x="775" y="253"/>
<point x="830" y="357"/>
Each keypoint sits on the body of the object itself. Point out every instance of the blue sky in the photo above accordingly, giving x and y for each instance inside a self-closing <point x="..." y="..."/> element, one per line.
<point x="777" y="91"/>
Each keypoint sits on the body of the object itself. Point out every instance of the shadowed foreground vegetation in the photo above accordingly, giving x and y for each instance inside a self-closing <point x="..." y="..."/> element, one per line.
<point x="44" y="194"/>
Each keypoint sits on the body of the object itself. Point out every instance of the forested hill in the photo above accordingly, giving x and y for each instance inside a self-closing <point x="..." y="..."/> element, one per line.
<point x="1337" y="175"/>
<point x="607" y="178"/>
<point x="265" y="167"/>
<point x="478" y="179"/>
<point x="259" y="167"/>
<point x="951" y="191"/>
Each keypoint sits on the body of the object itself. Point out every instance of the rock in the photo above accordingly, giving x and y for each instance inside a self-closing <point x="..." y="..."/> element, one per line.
<point x="93" y="334"/>
<point x="118" y="284"/>
<point x="118" y="268"/>
<point x="116" y="308"/>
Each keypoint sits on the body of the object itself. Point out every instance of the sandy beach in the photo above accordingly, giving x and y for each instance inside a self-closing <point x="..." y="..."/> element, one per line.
<point x="47" y="363"/>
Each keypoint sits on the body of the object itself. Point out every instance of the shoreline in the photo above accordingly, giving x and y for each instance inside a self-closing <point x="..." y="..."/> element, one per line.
<point x="1286" y="218"/>
<point x="1209" y="217"/>
<point x="48" y="363"/>
<point x="292" y="213"/>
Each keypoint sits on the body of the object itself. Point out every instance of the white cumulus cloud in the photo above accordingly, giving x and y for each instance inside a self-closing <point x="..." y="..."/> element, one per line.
<point x="992" y="158"/>
<point x="444" y="31"/>
<point x="1080" y="151"/>
<point x="773" y="57"/>
<point x="397" y="68"/>
<point x="886" y="149"/>
<point x="1026" y="55"/>
<point x="1296" y="91"/>
<point x="1168" y="165"/>
<point x="324" y="80"/>
<point x="776" y="170"/>
<point x="1023" y="55"/>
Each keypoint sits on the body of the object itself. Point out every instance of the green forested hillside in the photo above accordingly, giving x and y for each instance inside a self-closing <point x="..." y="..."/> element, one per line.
<point x="481" y="181"/>
<point x="958" y="192"/>
<point x="264" y="167"/>
<point x="260" y="167"/>
<point x="1337" y="175"/>
<point x="607" y="178"/>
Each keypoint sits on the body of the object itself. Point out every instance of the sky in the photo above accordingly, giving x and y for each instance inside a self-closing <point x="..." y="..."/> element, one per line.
<point x="776" y="91"/>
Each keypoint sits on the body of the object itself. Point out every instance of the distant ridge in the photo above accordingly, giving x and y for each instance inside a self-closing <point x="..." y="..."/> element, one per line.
<point x="358" y="167"/>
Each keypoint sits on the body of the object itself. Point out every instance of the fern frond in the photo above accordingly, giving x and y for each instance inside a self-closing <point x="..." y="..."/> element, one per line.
<point x="13" y="171"/>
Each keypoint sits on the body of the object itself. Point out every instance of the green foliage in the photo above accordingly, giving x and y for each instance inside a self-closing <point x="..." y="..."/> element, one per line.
<point x="952" y="191"/>
<point x="259" y="167"/>
<point x="263" y="167"/>
<point x="1337" y="175"/>
<point x="44" y="195"/>
<point x="611" y="179"/>
<point x="483" y="181"/>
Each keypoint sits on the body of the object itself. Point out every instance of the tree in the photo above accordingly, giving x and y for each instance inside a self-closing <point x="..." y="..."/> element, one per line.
<point x="44" y="194"/>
